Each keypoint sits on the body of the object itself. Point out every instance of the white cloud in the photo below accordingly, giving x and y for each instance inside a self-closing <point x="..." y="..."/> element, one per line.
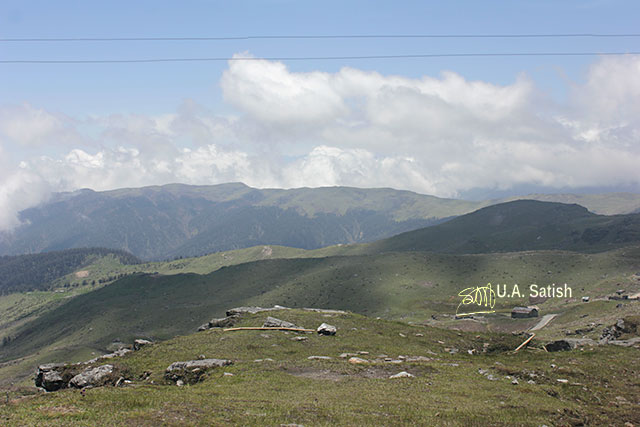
<point x="29" y="126"/>
<point x="435" y="135"/>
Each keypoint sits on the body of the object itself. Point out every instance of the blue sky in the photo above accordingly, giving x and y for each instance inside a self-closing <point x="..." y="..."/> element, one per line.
<point x="154" y="88"/>
<point x="445" y="126"/>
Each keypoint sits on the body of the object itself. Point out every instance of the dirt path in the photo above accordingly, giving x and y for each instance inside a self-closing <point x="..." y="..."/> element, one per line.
<point x="543" y="322"/>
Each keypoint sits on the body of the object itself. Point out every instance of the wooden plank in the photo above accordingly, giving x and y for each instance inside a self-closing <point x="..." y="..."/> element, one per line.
<point x="524" y="343"/>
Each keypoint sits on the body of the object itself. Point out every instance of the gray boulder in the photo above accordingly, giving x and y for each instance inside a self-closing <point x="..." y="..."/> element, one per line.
<point x="559" y="345"/>
<point x="50" y="376"/>
<point x="272" y="322"/>
<point x="224" y="322"/>
<point x="326" y="329"/>
<point x="92" y="377"/>
<point x="192" y="371"/>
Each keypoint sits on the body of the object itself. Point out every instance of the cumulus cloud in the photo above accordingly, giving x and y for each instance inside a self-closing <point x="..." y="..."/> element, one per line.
<point x="438" y="135"/>
<point x="29" y="126"/>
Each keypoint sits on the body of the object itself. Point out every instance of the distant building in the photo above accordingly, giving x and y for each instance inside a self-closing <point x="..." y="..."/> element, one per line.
<point x="523" y="312"/>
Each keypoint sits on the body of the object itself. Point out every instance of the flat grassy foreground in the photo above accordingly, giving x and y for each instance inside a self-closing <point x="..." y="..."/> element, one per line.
<point x="602" y="384"/>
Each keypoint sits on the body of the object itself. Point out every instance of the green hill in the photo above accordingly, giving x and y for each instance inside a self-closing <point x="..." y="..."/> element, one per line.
<point x="519" y="226"/>
<point x="40" y="271"/>
<point x="403" y="286"/>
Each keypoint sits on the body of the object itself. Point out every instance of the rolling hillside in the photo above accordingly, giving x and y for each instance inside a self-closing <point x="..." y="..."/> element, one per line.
<point x="41" y="271"/>
<point x="520" y="226"/>
<point x="282" y="378"/>
<point x="401" y="286"/>
<point x="164" y="222"/>
<point x="180" y="220"/>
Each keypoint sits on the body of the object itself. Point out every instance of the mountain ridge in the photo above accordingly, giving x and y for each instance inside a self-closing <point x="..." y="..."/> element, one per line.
<point x="163" y="222"/>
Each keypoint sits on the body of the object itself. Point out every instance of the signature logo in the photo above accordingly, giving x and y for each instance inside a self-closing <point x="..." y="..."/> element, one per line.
<point x="477" y="300"/>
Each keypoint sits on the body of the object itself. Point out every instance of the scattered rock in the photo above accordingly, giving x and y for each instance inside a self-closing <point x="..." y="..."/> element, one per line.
<point x="419" y="335"/>
<point x="363" y="353"/>
<point x="326" y="329"/>
<point x="272" y="322"/>
<point x="299" y="338"/>
<point x="559" y="345"/>
<point x="515" y="381"/>
<point x="402" y="374"/>
<point x="531" y="382"/>
<point x="192" y="371"/>
<point x="358" y="361"/>
<point x="319" y="358"/>
<point x="402" y="335"/>
<point x="615" y="331"/>
<point x="139" y="343"/>
<point x="345" y="355"/>
<point x="92" y="377"/>
<point x="563" y="381"/>
<point x="227" y="374"/>
<point x="179" y="383"/>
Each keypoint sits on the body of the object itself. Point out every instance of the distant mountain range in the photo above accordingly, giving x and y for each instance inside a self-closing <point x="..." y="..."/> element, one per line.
<point x="163" y="222"/>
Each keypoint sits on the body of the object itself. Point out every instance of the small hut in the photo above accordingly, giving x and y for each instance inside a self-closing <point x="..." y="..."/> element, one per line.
<point x="523" y="312"/>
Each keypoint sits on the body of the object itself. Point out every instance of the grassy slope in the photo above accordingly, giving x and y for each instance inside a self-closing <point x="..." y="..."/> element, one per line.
<point x="407" y="286"/>
<point x="517" y="226"/>
<point x="603" y="383"/>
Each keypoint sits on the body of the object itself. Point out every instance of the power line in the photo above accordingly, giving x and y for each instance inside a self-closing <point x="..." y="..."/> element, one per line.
<point x="325" y="36"/>
<point x="307" y="58"/>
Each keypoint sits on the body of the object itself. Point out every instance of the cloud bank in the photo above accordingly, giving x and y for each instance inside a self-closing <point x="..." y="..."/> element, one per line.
<point x="436" y="135"/>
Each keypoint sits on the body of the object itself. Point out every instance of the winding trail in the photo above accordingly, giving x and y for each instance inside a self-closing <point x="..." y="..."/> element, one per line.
<point x="543" y="322"/>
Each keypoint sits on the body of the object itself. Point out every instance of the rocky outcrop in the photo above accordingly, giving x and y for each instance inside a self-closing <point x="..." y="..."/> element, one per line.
<point x="559" y="345"/>
<point x="94" y="377"/>
<point x="57" y="376"/>
<point x="326" y="329"/>
<point x="51" y="376"/>
<point x="615" y="331"/>
<point x="192" y="371"/>
<point x="222" y="322"/>
<point x="568" y="344"/>
<point x="272" y="322"/>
